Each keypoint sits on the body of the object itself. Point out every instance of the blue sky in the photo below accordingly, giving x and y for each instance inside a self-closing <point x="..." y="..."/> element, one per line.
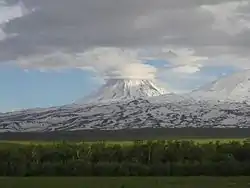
<point x="33" y="88"/>
<point x="22" y="89"/>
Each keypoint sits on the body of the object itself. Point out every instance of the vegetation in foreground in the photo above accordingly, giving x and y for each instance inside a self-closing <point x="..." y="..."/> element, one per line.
<point x="127" y="182"/>
<point x="126" y="142"/>
<point x="159" y="158"/>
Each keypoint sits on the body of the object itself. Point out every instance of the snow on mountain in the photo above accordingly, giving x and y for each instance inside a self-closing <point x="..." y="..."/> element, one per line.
<point x="235" y="87"/>
<point x="123" y="104"/>
<point x="128" y="114"/>
<point x="124" y="89"/>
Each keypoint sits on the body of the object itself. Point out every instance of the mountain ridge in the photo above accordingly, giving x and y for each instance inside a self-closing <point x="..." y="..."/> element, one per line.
<point x="234" y="87"/>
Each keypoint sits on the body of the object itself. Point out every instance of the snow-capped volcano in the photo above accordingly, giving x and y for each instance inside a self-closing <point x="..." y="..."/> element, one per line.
<point x="123" y="89"/>
<point x="135" y="107"/>
<point x="235" y="87"/>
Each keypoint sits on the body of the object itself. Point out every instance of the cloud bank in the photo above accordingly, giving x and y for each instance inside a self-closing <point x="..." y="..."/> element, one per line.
<point x="105" y="62"/>
<point x="115" y="38"/>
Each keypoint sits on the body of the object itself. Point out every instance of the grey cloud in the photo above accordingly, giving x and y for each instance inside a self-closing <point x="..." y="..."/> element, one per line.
<point x="77" y="25"/>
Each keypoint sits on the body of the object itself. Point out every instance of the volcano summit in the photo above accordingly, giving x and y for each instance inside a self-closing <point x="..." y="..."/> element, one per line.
<point x="124" y="89"/>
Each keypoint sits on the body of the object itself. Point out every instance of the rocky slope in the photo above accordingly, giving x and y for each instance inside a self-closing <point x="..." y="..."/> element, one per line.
<point x="137" y="113"/>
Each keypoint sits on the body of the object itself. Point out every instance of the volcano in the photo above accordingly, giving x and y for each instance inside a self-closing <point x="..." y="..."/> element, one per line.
<point x="137" y="104"/>
<point x="124" y="89"/>
<point x="235" y="87"/>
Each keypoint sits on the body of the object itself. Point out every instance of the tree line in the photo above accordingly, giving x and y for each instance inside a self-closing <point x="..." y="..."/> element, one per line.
<point x="151" y="158"/>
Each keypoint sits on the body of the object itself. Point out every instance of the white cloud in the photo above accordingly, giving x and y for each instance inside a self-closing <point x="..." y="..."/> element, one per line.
<point x="189" y="69"/>
<point x="179" y="60"/>
<point x="227" y="17"/>
<point x="182" y="82"/>
<point x="117" y="62"/>
<point x="2" y="35"/>
<point x="8" y="13"/>
<point x="107" y="62"/>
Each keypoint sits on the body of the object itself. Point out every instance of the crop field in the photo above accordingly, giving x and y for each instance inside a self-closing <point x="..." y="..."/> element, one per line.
<point x="125" y="142"/>
<point x="126" y="182"/>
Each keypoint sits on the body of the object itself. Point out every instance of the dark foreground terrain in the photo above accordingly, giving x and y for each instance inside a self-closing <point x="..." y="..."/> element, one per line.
<point x="149" y="158"/>
<point x="127" y="182"/>
<point x="129" y="134"/>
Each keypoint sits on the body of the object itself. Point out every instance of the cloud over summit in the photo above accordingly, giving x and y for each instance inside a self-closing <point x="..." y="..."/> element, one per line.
<point x="105" y="62"/>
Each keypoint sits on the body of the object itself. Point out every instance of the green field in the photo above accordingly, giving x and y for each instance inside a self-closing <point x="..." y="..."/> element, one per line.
<point x="126" y="182"/>
<point x="198" y="140"/>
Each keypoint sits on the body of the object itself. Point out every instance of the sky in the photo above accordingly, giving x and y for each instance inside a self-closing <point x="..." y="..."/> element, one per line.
<point x="53" y="52"/>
